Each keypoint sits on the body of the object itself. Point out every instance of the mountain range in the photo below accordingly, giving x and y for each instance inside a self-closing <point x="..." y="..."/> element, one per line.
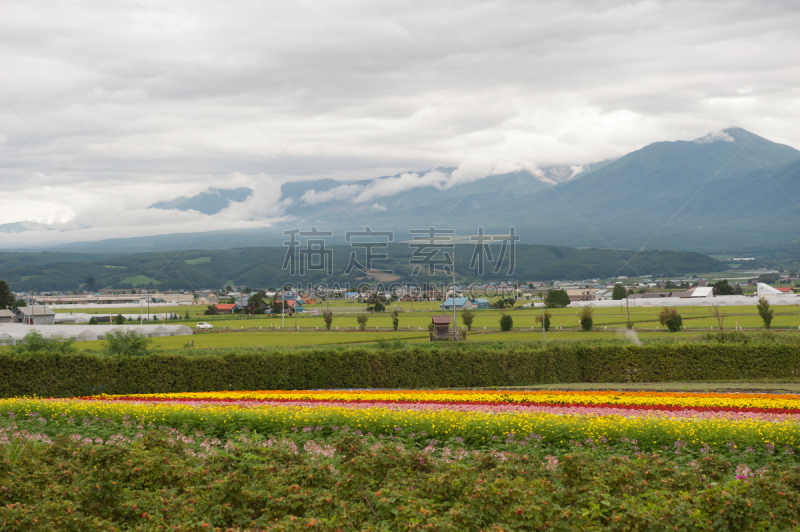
<point x="728" y="192"/>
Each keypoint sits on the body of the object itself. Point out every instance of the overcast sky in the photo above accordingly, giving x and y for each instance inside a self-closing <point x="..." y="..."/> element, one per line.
<point x="108" y="107"/>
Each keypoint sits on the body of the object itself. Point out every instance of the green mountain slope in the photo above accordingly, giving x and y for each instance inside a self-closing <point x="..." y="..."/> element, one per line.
<point x="262" y="267"/>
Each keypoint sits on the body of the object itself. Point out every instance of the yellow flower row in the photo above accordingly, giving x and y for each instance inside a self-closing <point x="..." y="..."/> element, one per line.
<point x="473" y="426"/>
<point x="781" y="401"/>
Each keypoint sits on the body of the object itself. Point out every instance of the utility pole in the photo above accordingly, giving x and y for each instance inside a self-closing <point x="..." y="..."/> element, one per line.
<point x="455" y="325"/>
<point x="544" y="331"/>
<point x="627" y="308"/>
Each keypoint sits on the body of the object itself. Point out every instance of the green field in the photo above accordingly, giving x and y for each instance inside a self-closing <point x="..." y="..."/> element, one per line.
<point x="138" y="280"/>
<point x="198" y="260"/>
<point x="307" y="329"/>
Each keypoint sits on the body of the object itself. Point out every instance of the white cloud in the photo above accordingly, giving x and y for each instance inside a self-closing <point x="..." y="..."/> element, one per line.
<point x="485" y="88"/>
<point x="715" y="136"/>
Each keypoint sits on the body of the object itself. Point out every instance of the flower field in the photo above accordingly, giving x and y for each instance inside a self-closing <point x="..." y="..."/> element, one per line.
<point x="653" y="420"/>
<point x="402" y="459"/>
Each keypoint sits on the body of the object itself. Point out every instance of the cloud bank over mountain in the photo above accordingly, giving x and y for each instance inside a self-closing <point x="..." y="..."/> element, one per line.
<point x="107" y="109"/>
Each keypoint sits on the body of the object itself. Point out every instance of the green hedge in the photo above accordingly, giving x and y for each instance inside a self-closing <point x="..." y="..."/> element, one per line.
<point x="463" y="365"/>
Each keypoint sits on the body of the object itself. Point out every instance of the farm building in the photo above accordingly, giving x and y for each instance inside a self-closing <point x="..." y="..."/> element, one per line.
<point x="34" y="315"/>
<point x="441" y="327"/>
<point x="6" y="316"/>
<point x="480" y="303"/>
<point x="462" y="303"/>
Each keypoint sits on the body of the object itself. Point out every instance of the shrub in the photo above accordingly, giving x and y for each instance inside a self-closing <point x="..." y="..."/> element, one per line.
<point x="458" y="365"/>
<point x="467" y="317"/>
<point x="92" y="321"/>
<point x="327" y="317"/>
<point x="586" y="317"/>
<point x="362" y="321"/>
<point x="211" y="310"/>
<point x="119" y="320"/>
<point x="395" y="320"/>
<point x="35" y="343"/>
<point x="666" y="314"/>
<point x="506" y="322"/>
<point x="675" y="323"/>
<point x="629" y="325"/>
<point x="126" y="343"/>
<point x="546" y="320"/>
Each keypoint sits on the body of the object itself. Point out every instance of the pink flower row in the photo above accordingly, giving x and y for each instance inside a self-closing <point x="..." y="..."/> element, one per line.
<point x="497" y="409"/>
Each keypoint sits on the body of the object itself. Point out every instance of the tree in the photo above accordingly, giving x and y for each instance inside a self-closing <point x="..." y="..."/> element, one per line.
<point x="119" y="320"/>
<point x="395" y="320"/>
<point x="669" y="316"/>
<point x="546" y="319"/>
<point x="769" y="278"/>
<point x="7" y="297"/>
<point x="211" y="310"/>
<point x="556" y="299"/>
<point x="506" y="322"/>
<point x="718" y="313"/>
<point x="256" y="304"/>
<point x="723" y="288"/>
<point x="506" y="302"/>
<point x="618" y="292"/>
<point x="765" y="311"/>
<point x="19" y="303"/>
<point x="186" y="316"/>
<point x="467" y="316"/>
<point x="675" y="322"/>
<point x="586" y="318"/>
<point x="666" y="314"/>
<point x="126" y="343"/>
<point x="377" y="307"/>
<point x="92" y="321"/>
<point x="362" y="321"/>
<point x="327" y="317"/>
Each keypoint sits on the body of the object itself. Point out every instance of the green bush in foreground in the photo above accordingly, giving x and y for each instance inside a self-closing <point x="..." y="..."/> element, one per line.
<point x="168" y="480"/>
<point x="457" y="365"/>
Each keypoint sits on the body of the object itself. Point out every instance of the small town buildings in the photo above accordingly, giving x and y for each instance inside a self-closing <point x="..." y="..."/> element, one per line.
<point x="462" y="303"/>
<point x="226" y="308"/>
<point x="6" y="316"/>
<point x="480" y="303"/>
<point x="34" y="315"/>
<point x="582" y="294"/>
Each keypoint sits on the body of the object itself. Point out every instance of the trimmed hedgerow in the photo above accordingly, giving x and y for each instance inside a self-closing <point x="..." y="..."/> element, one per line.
<point x="460" y="365"/>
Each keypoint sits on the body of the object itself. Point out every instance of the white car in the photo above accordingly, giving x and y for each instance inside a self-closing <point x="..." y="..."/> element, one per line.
<point x="204" y="325"/>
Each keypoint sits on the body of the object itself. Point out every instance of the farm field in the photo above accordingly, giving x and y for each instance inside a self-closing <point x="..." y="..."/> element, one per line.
<point x="305" y="329"/>
<point x="392" y="460"/>
<point x="786" y="317"/>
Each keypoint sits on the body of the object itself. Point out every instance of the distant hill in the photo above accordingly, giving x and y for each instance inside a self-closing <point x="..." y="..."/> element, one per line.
<point x="262" y="267"/>
<point x="210" y="202"/>
<point x="728" y="192"/>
